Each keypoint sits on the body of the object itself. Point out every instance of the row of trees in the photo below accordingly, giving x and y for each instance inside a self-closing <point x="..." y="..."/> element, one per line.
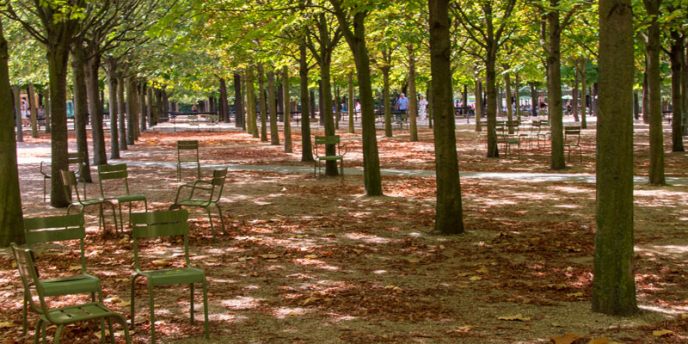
<point x="149" y="47"/>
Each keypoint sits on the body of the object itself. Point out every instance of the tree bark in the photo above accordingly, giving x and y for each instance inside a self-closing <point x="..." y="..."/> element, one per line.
<point x="18" y="123"/>
<point x="263" y="105"/>
<point x="272" y="106"/>
<point x="114" y="111"/>
<point x="351" y="108"/>
<point x="306" y="146"/>
<point x="223" y="113"/>
<point x="613" y="290"/>
<point x="58" y="53"/>
<point x="145" y="105"/>
<point x="509" y="112"/>
<point x="448" y="208"/>
<point x="239" y="116"/>
<point x="252" y="126"/>
<point x="91" y="68"/>
<point x="133" y="110"/>
<point x="81" y="111"/>
<point x="387" y="106"/>
<point x="584" y="90"/>
<point x="492" y="148"/>
<point x="412" y="97"/>
<point x="533" y="99"/>
<point x="33" y="107"/>
<point x="574" y="94"/>
<point x="654" y="97"/>
<point x="478" y="104"/>
<point x="11" y="217"/>
<point x="122" y="107"/>
<point x="557" y="160"/>
<point x="676" y="59"/>
<point x="286" y="110"/>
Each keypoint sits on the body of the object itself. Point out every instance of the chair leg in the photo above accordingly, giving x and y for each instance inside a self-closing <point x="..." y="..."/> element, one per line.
<point x="210" y="219"/>
<point x="114" y="218"/>
<point x="222" y="220"/>
<point x="133" y="300"/>
<point x="151" y="306"/>
<point x="25" y="313"/>
<point x="123" y="322"/>
<point x="39" y="330"/>
<point x="58" y="334"/>
<point x="192" y="302"/>
<point x="44" y="189"/>
<point x="205" y="309"/>
<point x="121" y="222"/>
<point x="101" y="217"/>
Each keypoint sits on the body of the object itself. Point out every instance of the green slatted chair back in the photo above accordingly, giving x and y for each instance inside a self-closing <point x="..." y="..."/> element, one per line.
<point x="113" y="172"/>
<point x="29" y="277"/>
<point x="40" y="230"/>
<point x="159" y="224"/>
<point x="70" y="185"/>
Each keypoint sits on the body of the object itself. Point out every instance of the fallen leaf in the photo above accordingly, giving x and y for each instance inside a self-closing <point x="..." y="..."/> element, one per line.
<point x="662" y="333"/>
<point x="161" y="262"/>
<point x="567" y="338"/>
<point x="269" y="256"/>
<point x="462" y="329"/>
<point x="475" y="278"/>
<point x="74" y="268"/>
<point x="6" y="324"/>
<point x="601" y="340"/>
<point x="515" y="317"/>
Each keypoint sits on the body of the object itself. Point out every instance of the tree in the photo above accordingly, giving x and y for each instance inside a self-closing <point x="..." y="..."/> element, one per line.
<point x="11" y="220"/>
<point x="654" y="97"/>
<point x="448" y="209"/>
<point x="613" y="289"/>
<point x="287" y="111"/>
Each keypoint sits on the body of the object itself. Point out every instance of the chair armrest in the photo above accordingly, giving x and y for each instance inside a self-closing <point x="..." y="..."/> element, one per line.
<point x="43" y="172"/>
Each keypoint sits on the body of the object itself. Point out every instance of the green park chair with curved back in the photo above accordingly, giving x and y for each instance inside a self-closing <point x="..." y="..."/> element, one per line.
<point x="320" y="152"/>
<point x="60" y="316"/>
<point x="72" y="159"/>
<point x="187" y="153"/>
<point x="118" y="172"/>
<point x="572" y="140"/>
<point x="162" y="224"/>
<point x="52" y="230"/>
<point x="210" y="193"/>
<point x="70" y="184"/>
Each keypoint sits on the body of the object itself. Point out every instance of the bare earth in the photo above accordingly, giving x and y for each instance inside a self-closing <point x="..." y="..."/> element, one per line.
<point x="313" y="260"/>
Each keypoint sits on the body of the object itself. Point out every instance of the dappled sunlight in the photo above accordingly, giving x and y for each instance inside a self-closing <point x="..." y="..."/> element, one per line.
<point x="242" y="303"/>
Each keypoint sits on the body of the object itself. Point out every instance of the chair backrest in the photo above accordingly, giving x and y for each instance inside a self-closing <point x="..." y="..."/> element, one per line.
<point x="38" y="230"/>
<point x="29" y="276"/>
<point x="69" y="182"/>
<point x="572" y="133"/>
<point x="159" y="224"/>
<point x="75" y="158"/>
<point x="188" y="145"/>
<point x="333" y="140"/>
<point x="113" y="172"/>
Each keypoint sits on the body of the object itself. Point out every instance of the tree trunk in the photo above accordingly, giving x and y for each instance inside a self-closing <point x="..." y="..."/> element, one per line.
<point x="653" y="98"/>
<point x="478" y="104"/>
<point x="81" y="111"/>
<point x="251" y="104"/>
<point x="448" y="208"/>
<point x="152" y="107"/>
<point x="58" y="53"/>
<point x="18" y="123"/>
<point x="223" y="105"/>
<point x="676" y="59"/>
<point x="412" y="97"/>
<point x="122" y="107"/>
<point x="306" y="146"/>
<point x="557" y="160"/>
<point x="47" y="110"/>
<point x="509" y="112"/>
<point x="33" y="107"/>
<point x="286" y="110"/>
<point x="272" y="106"/>
<point x="114" y="111"/>
<point x="145" y="106"/>
<point x="584" y="90"/>
<point x="11" y="217"/>
<point x="351" y="108"/>
<point x="263" y="105"/>
<point x="492" y="148"/>
<point x="91" y="68"/>
<point x="239" y="117"/>
<point x="518" y="97"/>
<point x="133" y="110"/>
<point x="337" y="107"/>
<point x="574" y="95"/>
<point x="533" y="99"/>
<point x="613" y="290"/>
<point x="387" y="106"/>
<point x="326" y="113"/>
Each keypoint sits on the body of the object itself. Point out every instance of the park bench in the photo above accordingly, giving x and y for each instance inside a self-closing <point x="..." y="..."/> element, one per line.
<point x="572" y="140"/>
<point x="69" y="182"/>
<point x="210" y="193"/>
<point x="60" y="316"/>
<point x="72" y="159"/>
<point x="320" y="152"/>
<point x="119" y="173"/>
<point x="164" y="224"/>
<point x="187" y="153"/>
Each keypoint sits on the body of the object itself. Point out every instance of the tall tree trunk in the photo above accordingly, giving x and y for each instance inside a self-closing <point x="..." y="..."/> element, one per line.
<point x="574" y="95"/>
<point x="478" y="104"/>
<point x="412" y="96"/>
<point x="47" y="110"/>
<point x="272" y="106"/>
<point x="152" y="107"/>
<point x="239" y="116"/>
<point x="653" y="98"/>
<point x="252" y="126"/>
<point x="81" y="111"/>
<point x="509" y="112"/>
<point x="11" y="217"/>
<point x="430" y="105"/>
<point x="517" y="96"/>
<point x="122" y="107"/>
<point x="492" y="148"/>
<point x="613" y="290"/>
<point x="351" y="107"/>
<point x="132" y="110"/>
<point x="557" y="159"/>
<point x="676" y="59"/>
<point x="33" y="108"/>
<point x="223" y="114"/>
<point x="263" y="105"/>
<point x="387" y="106"/>
<point x="306" y="146"/>
<point x="287" y="111"/>
<point x="646" y="101"/>
<point x="91" y="69"/>
<point x="18" y="123"/>
<point x="533" y="99"/>
<point x="448" y="208"/>
<point x="337" y="107"/>
<point x="584" y="90"/>
<point x="142" y="90"/>
<point x="326" y="113"/>
<point x="58" y="53"/>
<point x="114" y="111"/>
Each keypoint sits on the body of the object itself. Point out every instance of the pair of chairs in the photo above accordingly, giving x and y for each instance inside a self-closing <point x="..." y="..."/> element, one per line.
<point x="72" y="159"/>
<point x="114" y="174"/>
<point x="62" y="228"/>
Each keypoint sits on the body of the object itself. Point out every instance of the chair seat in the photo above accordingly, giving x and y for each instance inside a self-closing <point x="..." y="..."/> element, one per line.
<point x="77" y="284"/>
<point x="91" y="201"/>
<point x="71" y="314"/>
<point x="195" y="202"/>
<point x="174" y="276"/>
<point x="129" y="198"/>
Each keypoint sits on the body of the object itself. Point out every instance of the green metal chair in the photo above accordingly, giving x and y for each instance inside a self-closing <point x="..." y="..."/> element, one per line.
<point x="187" y="153"/>
<point x="119" y="172"/>
<point x="70" y="184"/>
<point x="157" y="225"/>
<point x="211" y="193"/>
<point x="320" y="152"/>
<point x="572" y="140"/>
<point x="72" y="159"/>
<point x="59" y="316"/>
<point x="53" y="229"/>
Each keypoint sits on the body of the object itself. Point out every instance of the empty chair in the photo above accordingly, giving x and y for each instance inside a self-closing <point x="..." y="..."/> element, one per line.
<point x="118" y="172"/>
<point x="72" y="159"/>
<point x="572" y="137"/>
<point x="187" y="154"/>
<point x="60" y="316"/>
<point x="320" y="152"/>
<point x="70" y="184"/>
<point x="204" y="194"/>
<point x="162" y="224"/>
